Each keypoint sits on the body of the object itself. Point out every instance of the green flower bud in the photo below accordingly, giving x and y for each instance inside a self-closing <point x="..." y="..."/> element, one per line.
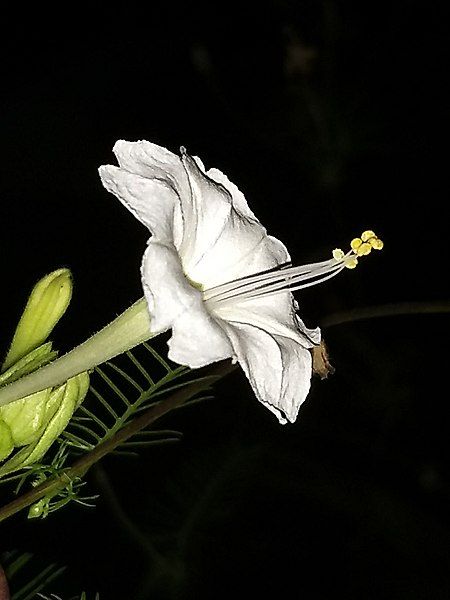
<point x="61" y="404"/>
<point x="36" y="509"/>
<point x="35" y="421"/>
<point x="6" y="441"/>
<point x="26" y="417"/>
<point x="47" y="303"/>
<point x="29" y="363"/>
<point x="74" y="392"/>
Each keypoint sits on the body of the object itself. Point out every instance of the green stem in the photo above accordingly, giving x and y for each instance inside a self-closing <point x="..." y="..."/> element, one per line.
<point x="82" y="465"/>
<point x="386" y="310"/>
<point x="128" y="330"/>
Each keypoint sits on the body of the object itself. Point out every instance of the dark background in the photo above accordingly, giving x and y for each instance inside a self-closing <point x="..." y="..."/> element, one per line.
<point x="330" y="116"/>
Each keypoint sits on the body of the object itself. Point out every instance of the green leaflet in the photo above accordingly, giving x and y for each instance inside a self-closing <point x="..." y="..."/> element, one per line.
<point x="25" y="578"/>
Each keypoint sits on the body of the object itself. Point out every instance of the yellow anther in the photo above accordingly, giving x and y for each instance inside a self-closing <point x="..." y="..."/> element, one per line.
<point x="376" y="243"/>
<point x="355" y="244"/>
<point x="351" y="262"/>
<point x="366" y="235"/>
<point x="364" y="249"/>
<point x="360" y="247"/>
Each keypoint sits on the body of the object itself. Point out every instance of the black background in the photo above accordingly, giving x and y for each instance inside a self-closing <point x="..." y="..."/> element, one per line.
<point x="331" y="118"/>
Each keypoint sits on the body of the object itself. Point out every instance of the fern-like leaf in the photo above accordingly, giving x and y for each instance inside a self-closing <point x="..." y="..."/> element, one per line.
<point x="120" y="393"/>
<point x="16" y="564"/>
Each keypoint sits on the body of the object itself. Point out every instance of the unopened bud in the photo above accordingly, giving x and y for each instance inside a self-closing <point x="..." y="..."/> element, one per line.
<point x="29" y="363"/>
<point x="47" y="303"/>
<point x="60" y="405"/>
<point x="26" y="417"/>
<point x="6" y="441"/>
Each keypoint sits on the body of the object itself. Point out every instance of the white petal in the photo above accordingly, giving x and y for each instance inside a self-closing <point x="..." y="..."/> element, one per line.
<point x="314" y="335"/>
<point x="197" y="339"/>
<point x="210" y="207"/>
<point x="152" y="161"/>
<point x="152" y="201"/>
<point x="159" y="164"/>
<point x="239" y="201"/>
<point x="222" y="243"/>
<point x="243" y="249"/>
<point x="273" y="314"/>
<point x="168" y="292"/>
<point x="279" y="369"/>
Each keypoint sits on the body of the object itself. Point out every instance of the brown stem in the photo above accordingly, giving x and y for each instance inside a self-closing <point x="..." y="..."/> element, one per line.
<point x="82" y="465"/>
<point x="4" y="590"/>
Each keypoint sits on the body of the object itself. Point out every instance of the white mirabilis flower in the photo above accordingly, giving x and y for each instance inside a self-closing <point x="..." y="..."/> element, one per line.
<point x="213" y="275"/>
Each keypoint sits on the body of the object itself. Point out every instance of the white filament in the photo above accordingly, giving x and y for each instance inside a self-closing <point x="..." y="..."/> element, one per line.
<point x="273" y="282"/>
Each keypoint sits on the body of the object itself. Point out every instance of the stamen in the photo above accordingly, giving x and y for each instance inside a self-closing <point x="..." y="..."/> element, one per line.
<point x="360" y="247"/>
<point x="274" y="282"/>
<point x="280" y="272"/>
<point x="367" y="235"/>
<point x="281" y="287"/>
<point x="286" y="278"/>
<point x="376" y="243"/>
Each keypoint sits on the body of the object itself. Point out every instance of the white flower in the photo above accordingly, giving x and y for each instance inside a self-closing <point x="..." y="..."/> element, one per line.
<point x="212" y="274"/>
